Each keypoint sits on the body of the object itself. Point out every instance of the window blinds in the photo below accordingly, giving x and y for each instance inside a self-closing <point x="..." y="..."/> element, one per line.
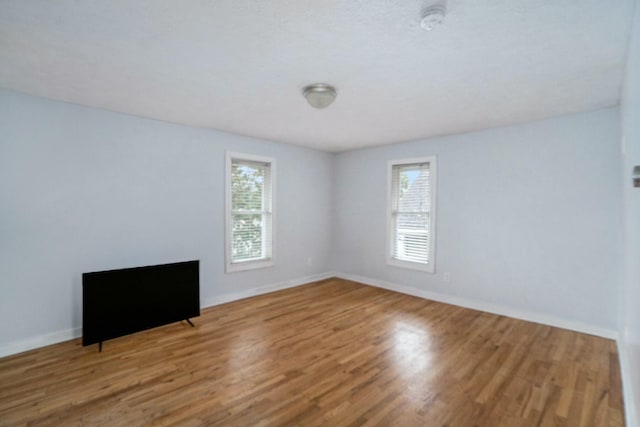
<point x="251" y="210"/>
<point x="410" y="210"/>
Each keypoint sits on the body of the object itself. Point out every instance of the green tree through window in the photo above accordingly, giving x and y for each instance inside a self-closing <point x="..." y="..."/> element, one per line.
<point x="247" y="193"/>
<point x="250" y="212"/>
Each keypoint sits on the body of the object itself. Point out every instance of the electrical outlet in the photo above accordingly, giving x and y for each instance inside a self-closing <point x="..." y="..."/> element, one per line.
<point x="446" y="276"/>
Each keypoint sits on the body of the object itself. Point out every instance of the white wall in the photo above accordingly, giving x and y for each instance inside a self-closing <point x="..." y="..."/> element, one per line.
<point x="83" y="189"/>
<point x="630" y="296"/>
<point x="528" y="219"/>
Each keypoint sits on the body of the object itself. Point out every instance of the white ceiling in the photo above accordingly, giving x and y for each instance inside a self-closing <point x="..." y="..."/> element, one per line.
<point x="240" y="65"/>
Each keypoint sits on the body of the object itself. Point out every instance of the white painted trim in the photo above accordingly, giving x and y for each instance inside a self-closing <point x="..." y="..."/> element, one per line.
<point x="225" y="298"/>
<point x="431" y="266"/>
<point x="69" y="334"/>
<point x="233" y="267"/>
<point x="269" y="261"/>
<point x="60" y="336"/>
<point x="530" y="316"/>
<point x="630" y="411"/>
<point x="39" y="341"/>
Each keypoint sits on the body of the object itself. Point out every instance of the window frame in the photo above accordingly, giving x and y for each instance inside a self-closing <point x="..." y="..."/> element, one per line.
<point x="269" y="259"/>
<point x="428" y="267"/>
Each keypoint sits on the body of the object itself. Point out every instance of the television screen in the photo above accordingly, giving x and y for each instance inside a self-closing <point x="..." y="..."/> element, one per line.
<point x="121" y="302"/>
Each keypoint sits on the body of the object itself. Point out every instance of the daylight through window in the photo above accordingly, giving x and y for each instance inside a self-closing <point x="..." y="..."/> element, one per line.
<point x="249" y="212"/>
<point x="412" y="213"/>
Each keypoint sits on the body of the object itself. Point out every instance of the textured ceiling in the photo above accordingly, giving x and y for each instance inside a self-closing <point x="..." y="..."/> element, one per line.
<point x="240" y="65"/>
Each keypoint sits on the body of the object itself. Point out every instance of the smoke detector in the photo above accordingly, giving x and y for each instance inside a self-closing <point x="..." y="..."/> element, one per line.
<point x="432" y="17"/>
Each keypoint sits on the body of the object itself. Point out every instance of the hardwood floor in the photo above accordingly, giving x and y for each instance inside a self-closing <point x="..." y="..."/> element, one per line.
<point x="332" y="353"/>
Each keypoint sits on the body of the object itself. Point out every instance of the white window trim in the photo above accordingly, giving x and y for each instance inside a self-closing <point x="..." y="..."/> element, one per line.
<point x="232" y="267"/>
<point x="430" y="266"/>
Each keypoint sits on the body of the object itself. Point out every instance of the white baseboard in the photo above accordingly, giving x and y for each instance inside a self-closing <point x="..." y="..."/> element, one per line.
<point x="225" y="298"/>
<point x="69" y="334"/>
<point x="59" y="336"/>
<point x="530" y="316"/>
<point x="39" y="341"/>
<point x="630" y="411"/>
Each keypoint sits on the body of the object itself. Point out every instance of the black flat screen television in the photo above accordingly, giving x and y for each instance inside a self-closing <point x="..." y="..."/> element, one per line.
<point x="121" y="302"/>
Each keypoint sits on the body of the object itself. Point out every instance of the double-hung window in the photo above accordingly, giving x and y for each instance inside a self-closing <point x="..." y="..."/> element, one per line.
<point x="412" y="203"/>
<point x="249" y="211"/>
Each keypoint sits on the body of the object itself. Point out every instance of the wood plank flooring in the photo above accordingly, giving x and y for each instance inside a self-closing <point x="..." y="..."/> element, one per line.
<point x="332" y="353"/>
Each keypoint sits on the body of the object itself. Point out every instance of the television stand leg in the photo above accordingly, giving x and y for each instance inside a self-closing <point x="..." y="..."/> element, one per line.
<point x="100" y="347"/>
<point x="189" y="321"/>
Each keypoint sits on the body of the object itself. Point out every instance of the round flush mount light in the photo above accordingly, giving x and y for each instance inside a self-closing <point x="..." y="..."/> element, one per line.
<point x="432" y="17"/>
<point x="319" y="95"/>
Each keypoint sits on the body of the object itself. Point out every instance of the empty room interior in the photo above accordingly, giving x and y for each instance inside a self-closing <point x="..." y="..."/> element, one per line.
<point x="340" y="213"/>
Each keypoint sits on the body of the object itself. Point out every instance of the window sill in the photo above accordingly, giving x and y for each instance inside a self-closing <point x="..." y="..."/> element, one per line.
<point x="427" y="268"/>
<point x="248" y="265"/>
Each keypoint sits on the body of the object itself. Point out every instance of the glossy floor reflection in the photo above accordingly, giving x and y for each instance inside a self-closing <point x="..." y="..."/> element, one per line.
<point x="411" y="348"/>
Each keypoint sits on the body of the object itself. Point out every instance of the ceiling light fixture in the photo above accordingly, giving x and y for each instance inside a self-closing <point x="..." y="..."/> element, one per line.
<point x="319" y="95"/>
<point x="432" y="17"/>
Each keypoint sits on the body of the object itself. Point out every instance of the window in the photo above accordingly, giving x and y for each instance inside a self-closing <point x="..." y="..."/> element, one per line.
<point x="412" y="213"/>
<point x="249" y="212"/>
